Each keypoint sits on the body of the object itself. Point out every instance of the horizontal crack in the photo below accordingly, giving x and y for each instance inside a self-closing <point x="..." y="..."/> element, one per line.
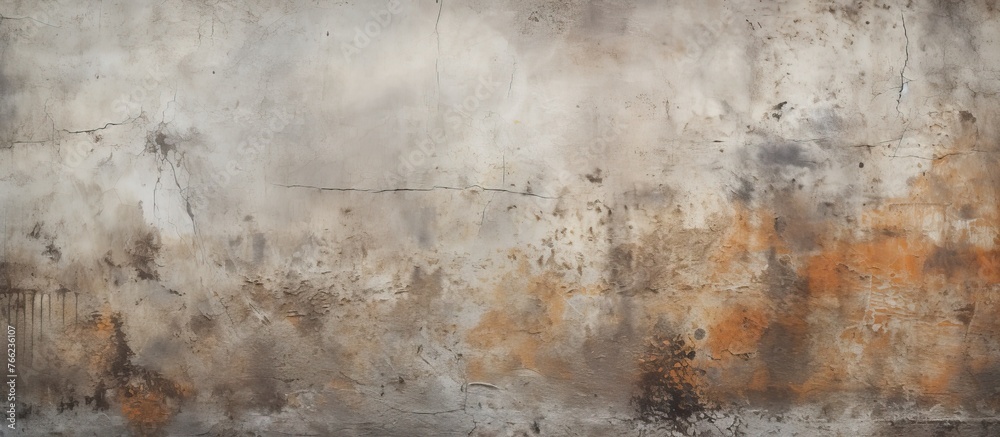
<point x="436" y="187"/>
<point x="106" y="125"/>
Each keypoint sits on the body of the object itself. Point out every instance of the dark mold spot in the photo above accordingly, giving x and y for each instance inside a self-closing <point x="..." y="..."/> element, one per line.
<point x="67" y="405"/>
<point x="595" y="177"/>
<point x="201" y="325"/>
<point x="668" y="383"/>
<point x="162" y="145"/>
<point x="99" y="399"/>
<point x="36" y="231"/>
<point x="967" y="117"/>
<point x="967" y="212"/>
<point x="744" y="193"/>
<point x="143" y="252"/>
<point x="699" y="334"/>
<point x="861" y="165"/>
<point x="964" y="314"/>
<point x="52" y="252"/>
<point x="627" y="273"/>
<point x="949" y="262"/>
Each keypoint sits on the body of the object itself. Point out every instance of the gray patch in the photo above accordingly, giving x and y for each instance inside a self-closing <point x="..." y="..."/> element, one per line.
<point x="259" y="244"/>
<point x="781" y="155"/>
<point x="7" y="110"/>
<point x="743" y="193"/>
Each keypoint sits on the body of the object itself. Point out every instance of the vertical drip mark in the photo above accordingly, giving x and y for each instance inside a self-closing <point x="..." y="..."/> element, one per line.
<point x="63" y="294"/>
<point x="32" y="334"/>
<point x="41" y="318"/>
<point x="76" y="310"/>
<point x="29" y="322"/>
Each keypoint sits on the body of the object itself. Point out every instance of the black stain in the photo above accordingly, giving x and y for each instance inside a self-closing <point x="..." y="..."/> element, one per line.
<point x="162" y="143"/>
<point x="52" y="252"/>
<point x="595" y="177"/>
<point x="36" y="231"/>
<point x="667" y="391"/>
<point x="781" y="155"/>
<point x="143" y="252"/>
<point x="99" y="399"/>
<point x="67" y="405"/>
<point x="743" y="193"/>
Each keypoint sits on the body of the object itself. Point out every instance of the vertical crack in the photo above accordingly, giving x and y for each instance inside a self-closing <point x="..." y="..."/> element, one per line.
<point x="906" y="50"/>
<point x="437" y="70"/>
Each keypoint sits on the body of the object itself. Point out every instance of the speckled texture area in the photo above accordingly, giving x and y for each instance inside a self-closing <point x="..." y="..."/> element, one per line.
<point x="513" y="218"/>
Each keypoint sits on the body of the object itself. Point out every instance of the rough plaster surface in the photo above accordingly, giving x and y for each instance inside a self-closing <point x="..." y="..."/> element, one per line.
<point x="501" y="218"/>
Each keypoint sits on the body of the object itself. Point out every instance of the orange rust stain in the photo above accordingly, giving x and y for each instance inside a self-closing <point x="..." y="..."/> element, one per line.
<point x="737" y="332"/>
<point x="751" y="231"/>
<point x="896" y="260"/>
<point x="989" y="265"/>
<point x="147" y="408"/>
<point x="936" y="370"/>
<point x="888" y="265"/>
<point x="527" y="315"/>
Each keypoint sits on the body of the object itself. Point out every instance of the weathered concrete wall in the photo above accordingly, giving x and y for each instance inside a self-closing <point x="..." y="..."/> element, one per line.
<point x="501" y="218"/>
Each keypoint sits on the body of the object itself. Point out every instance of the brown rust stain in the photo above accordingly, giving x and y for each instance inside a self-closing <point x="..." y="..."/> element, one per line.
<point x="147" y="399"/>
<point x="526" y="316"/>
<point x="737" y="332"/>
<point x="890" y="309"/>
<point x="529" y="325"/>
<point x="751" y="230"/>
